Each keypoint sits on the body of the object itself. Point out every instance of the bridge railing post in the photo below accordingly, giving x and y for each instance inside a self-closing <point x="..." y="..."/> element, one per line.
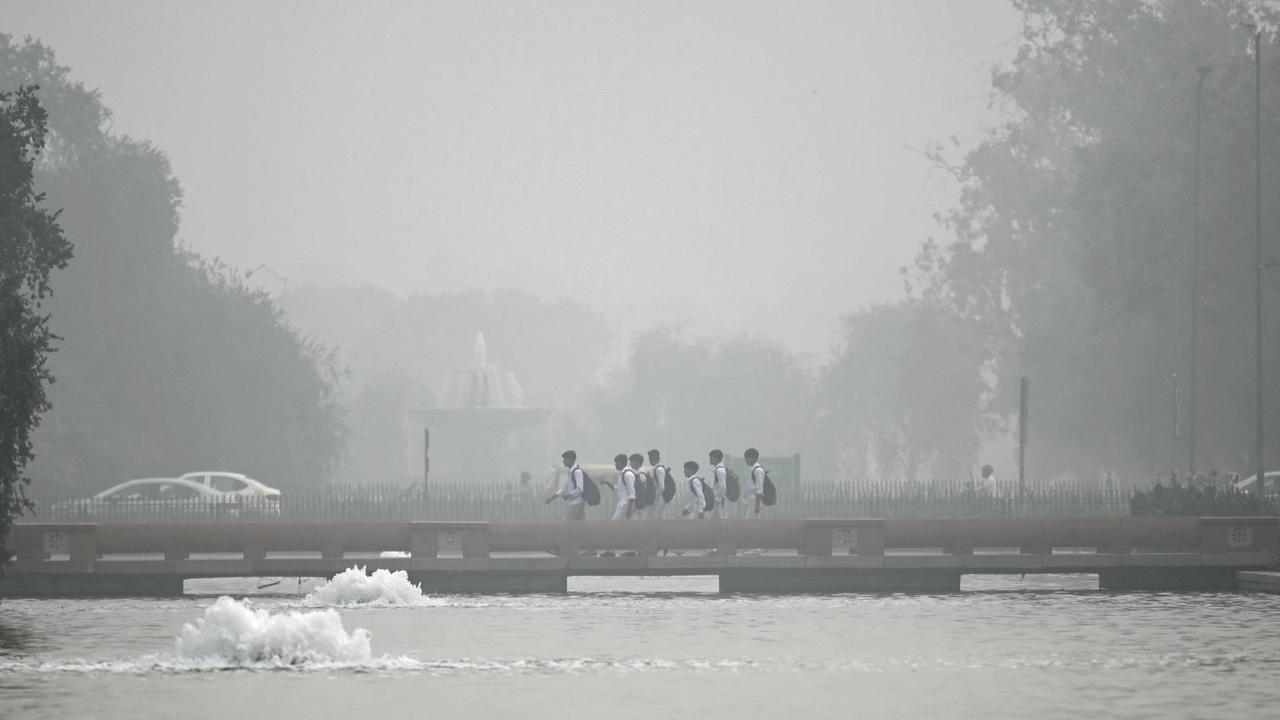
<point x="429" y="538"/>
<point x="38" y="543"/>
<point x="869" y="538"/>
<point x="1251" y="535"/>
<point x="84" y="544"/>
<point x="475" y="540"/>
<point x="854" y="536"/>
<point x="423" y="540"/>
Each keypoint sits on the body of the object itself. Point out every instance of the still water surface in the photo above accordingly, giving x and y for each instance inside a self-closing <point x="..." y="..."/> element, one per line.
<point x="648" y="647"/>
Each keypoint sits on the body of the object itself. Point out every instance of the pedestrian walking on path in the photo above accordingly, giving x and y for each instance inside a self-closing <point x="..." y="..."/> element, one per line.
<point x="753" y="493"/>
<point x="697" y="506"/>
<point x="625" y="489"/>
<point x="719" y="484"/>
<point x="572" y="490"/>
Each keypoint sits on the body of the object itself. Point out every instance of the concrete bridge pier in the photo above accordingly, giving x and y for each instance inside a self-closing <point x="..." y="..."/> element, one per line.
<point x="1167" y="579"/>
<point x="515" y="583"/>
<point x="94" y="585"/>
<point x="839" y="580"/>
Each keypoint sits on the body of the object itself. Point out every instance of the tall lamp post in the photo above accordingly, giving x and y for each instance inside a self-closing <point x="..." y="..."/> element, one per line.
<point x="1257" y="229"/>
<point x="1195" y="289"/>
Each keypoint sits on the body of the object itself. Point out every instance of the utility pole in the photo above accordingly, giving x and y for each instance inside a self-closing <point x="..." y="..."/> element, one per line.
<point x="1022" y="436"/>
<point x="1195" y="288"/>
<point x="1177" y="409"/>
<point x="1257" y="266"/>
<point x="426" y="461"/>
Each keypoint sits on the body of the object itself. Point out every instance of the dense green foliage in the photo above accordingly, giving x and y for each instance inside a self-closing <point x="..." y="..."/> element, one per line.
<point x="689" y="395"/>
<point x="1074" y="227"/>
<point x="904" y="397"/>
<point x="170" y="363"/>
<point x="31" y="247"/>
<point x="1186" y="501"/>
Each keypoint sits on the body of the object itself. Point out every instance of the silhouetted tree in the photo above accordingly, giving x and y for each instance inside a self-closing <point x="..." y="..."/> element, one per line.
<point x="31" y="247"/>
<point x="1074" y="228"/>
<point x="170" y="362"/>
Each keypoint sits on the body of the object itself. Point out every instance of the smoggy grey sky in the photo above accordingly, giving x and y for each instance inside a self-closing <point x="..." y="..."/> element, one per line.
<point x="731" y="166"/>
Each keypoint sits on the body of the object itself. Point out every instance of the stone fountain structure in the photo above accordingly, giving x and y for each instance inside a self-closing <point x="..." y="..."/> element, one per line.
<point x="480" y="409"/>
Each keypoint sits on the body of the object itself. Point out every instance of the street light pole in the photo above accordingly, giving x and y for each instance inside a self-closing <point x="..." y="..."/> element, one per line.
<point x="1195" y="289"/>
<point x="1257" y="229"/>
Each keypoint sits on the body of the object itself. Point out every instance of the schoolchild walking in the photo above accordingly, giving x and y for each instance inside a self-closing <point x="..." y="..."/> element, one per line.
<point x="572" y="490"/>
<point x="753" y="493"/>
<point x="697" y="505"/>
<point x="641" y="488"/>
<point x="664" y="485"/>
<point x="625" y="489"/>
<point x="719" y="484"/>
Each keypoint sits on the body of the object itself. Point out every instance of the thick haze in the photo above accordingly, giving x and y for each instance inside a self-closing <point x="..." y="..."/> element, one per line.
<point x="652" y="159"/>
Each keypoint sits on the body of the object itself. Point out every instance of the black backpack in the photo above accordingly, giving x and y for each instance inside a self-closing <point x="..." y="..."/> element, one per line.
<point x="644" y="490"/>
<point x="770" y="495"/>
<point x="668" y="483"/>
<point x="708" y="497"/>
<point x="732" y="489"/>
<point x="590" y="492"/>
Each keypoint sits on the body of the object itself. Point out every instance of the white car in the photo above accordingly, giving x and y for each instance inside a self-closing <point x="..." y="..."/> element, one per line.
<point x="233" y="484"/>
<point x="151" y="490"/>
<point x="1273" y="481"/>
<point x="156" y="499"/>
<point x="158" y="490"/>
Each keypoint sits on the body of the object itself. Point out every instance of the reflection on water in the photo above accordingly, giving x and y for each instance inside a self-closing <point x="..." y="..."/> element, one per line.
<point x="13" y="637"/>
<point x="1006" y="646"/>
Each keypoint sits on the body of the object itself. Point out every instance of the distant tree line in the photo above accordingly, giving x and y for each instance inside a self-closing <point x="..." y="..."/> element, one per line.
<point x="1072" y="255"/>
<point x="1070" y="264"/>
<point x="167" y="361"/>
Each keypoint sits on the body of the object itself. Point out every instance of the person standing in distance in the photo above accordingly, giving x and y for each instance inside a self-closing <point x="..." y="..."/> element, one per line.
<point x="571" y="491"/>
<point x="753" y="493"/>
<point x="719" y="483"/>
<point x="660" y="475"/>
<point x="989" y="488"/>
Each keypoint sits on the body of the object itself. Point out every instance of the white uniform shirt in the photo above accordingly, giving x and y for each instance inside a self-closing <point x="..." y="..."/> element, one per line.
<point x="757" y="480"/>
<point x="627" y="485"/>
<point x="572" y="490"/>
<point x="697" y="501"/>
<point x="720" y="485"/>
<point x="660" y="477"/>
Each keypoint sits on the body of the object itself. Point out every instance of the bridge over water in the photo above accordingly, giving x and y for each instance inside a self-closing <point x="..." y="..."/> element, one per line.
<point x="770" y="556"/>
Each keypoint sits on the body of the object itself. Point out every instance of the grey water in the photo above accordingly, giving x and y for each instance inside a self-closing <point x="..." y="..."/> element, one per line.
<point x="1042" y="647"/>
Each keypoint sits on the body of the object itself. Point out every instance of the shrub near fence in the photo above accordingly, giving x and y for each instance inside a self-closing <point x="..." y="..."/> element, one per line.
<point x="1183" y="501"/>
<point x="498" y="502"/>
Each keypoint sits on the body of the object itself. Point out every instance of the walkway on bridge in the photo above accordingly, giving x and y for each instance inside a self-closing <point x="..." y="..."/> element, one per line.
<point x="775" y="556"/>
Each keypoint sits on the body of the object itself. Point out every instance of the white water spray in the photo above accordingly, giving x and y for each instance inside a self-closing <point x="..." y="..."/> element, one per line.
<point x="356" y="587"/>
<point x="235" y="634"/>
